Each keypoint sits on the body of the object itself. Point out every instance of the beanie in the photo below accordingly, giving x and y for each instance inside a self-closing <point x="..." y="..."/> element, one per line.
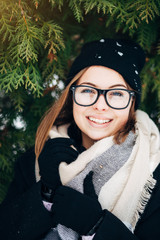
<point x="124" y="56"/>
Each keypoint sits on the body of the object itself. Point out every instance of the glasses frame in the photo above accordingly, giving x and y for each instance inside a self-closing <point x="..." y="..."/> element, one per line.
<point x="102" y="92"/>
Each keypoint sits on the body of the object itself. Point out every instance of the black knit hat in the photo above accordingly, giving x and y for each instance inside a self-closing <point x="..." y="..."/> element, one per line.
<point x="123" y="56"/>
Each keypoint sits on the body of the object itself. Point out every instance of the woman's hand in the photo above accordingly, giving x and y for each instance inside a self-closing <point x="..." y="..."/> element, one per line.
<point x="55" y="151"/>
<point x="75" y="210"/>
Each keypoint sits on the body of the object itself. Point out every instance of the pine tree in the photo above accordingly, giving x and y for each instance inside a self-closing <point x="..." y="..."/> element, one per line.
<point x="39" y="41"/>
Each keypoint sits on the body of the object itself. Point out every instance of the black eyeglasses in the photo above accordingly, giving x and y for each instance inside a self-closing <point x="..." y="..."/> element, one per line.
<point x="116" y="98"/>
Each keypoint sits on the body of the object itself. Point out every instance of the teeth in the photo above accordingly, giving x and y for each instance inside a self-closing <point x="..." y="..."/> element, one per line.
<point x="98" y="120"/>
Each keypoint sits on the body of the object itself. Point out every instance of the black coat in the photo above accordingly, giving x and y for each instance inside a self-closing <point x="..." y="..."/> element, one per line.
<point x="23" y="216"/>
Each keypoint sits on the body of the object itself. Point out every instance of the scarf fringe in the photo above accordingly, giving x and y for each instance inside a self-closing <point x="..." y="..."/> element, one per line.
<point x="144" y="198"/>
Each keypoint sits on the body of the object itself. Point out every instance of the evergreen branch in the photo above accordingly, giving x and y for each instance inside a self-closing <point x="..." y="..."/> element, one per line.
<point x="13" y="52"/>
<point x="12" y="80"/>
<point x="127" y="15"/>
<point x="101" y="5"/>
<point x="89" y="5"/>
<point x="59" y="3"/>
<point x="53" y="35"/>
<point x="106" y="6"/>
<point x="146" y="76"/>
<point x="151" y="77"/>
<point x="47" y="69"/>
<point x="147" y="34"/>
<point x="8" y="8"/>
<point x="5" y="62"/>
<point x="29" y="77"/>
<point x="3" y="163"/>
<point x="132" y="21"/>
<point x="53" y="2"/>
<point x="36" y="3"/>
<point x="18" y="99"/>
<point x="29" y="40"/>
<point x="6" y="29"/>
<point x="26" y="50"/>
<point x="146" y="9"/>
<point x="149" y="11"/>
<point x="33" y="79"/>
<point x="75" y="5"/>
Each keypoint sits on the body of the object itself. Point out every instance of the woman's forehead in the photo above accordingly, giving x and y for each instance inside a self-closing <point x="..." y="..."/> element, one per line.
<point x="103" y="77"/>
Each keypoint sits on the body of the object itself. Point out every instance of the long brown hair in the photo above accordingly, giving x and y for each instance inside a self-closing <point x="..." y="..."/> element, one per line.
<point x="62" y="112"/>
<point x="121" y="135"/>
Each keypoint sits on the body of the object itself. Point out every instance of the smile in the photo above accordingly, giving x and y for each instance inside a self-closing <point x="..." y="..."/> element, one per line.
<point x="100" y="121"/>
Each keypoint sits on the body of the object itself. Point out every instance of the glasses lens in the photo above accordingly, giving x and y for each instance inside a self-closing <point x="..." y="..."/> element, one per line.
<point x="118" y="98"/>
<point x="85" y="95"/>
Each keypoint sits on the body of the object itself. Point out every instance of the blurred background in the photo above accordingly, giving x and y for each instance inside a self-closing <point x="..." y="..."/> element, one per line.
<point x="39" y="40"/>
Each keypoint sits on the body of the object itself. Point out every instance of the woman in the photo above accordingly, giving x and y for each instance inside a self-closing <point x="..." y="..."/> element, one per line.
<point x="95" y="170"/>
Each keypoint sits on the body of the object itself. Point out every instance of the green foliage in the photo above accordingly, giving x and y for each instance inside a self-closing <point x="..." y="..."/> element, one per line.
<point x="76" y="8"/>
<point x="39" y="41"/>
<point x="27" y="75"/>
<point x="147" y="34"/>
<point x="52" y="34"/>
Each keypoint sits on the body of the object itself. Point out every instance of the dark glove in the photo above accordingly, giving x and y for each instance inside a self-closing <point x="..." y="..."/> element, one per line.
<point x="55" y="151"/>
<point x="75" y="210"/>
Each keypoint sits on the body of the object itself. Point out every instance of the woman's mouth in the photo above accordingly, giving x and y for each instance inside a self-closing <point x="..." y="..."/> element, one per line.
<point x="99" y="121"/>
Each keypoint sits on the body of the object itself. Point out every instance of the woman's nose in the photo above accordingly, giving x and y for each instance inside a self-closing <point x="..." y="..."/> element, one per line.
<point x="101" y="104"/>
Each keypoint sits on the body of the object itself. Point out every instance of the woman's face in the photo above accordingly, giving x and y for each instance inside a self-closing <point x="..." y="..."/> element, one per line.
<point x="99" y="120"/>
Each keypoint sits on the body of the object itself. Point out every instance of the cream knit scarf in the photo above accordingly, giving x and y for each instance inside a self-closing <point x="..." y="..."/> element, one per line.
<point x="131" y="186"/>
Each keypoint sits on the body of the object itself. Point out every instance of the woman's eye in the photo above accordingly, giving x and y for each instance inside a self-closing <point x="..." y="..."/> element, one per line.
<point x="87" y="90"/>
<point x="116" y="94"/>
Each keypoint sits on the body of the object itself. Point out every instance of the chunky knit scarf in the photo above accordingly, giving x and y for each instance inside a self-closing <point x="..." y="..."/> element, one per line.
<point x="130" y="184"/>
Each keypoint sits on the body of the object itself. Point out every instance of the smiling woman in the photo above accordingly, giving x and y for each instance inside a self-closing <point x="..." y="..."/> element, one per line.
<point x="95" y="166"/>
<point x="100" y="120"/>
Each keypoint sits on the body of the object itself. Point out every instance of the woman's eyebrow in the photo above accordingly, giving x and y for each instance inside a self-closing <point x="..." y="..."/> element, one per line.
<point x="89" y="83"/>
<point x="118" y="85"/>
<point x="112" y="86"/>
